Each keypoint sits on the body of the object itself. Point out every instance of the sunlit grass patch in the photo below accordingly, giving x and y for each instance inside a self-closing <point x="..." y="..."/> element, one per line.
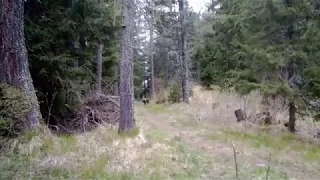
<point x="27" y="135"/>
<point x="13" y="165"/>
<point x="54" y="173"/>
<point x="157" y="108"/>
<point x="68" y="143"/>
<point x="276" y="142"/>
<point x="97" y="168"/>
<point x="178" y="161"/>
<point x="312" y="154"/>
<point x="132" y="133"/>
<point x="261" y="173"/>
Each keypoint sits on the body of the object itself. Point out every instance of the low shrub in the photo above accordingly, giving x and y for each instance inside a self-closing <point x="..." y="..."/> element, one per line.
<point x="14" y="106"/>
<point x="175" y="93"/>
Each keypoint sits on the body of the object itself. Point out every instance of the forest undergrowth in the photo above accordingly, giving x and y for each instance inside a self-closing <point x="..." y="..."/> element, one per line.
<point x="196" y="141"/>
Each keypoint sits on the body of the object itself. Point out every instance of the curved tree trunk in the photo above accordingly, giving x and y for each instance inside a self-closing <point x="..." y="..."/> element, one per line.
<point x="127" y="121"/>
<point x="14" y="66"/>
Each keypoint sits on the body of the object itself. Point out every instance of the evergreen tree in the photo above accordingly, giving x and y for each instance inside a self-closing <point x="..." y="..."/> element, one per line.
<point x="261" y="45"/>
<point x="62" y="39"/>
<point x="127" y="120"/>
<point x="14" y="62"/>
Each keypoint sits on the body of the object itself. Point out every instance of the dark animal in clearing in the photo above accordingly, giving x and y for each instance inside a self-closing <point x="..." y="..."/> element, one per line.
<point x="145" y="101"/>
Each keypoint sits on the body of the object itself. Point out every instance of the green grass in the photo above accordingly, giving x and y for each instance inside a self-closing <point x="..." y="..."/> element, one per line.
<point x="97" y="169"/>
<point x="180" y="162"/>
<point x="27" y="135"/>
<point x="62" y="145"/>
<point x="13" y="164"/>
<point x="55" y="173"/>
<point x="275" y="142"/>
<point x="132" y="133"/>
<point x="47" y="146"/>
<point x="157" y="108"/>
<point x="68" y="143"/>
<point x="261" y="173"/>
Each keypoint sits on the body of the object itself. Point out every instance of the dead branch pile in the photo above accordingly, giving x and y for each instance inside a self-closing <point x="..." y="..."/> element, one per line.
<point x="263" y="118"/>
<point x="96" y="110"/>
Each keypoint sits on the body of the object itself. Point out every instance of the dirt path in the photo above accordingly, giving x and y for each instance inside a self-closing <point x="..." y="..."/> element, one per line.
<point x="222" y="152"/>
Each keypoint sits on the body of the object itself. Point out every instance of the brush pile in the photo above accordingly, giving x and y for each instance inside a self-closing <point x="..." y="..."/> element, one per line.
<point x="263" y="118"/>
<point x="96" y="110"/>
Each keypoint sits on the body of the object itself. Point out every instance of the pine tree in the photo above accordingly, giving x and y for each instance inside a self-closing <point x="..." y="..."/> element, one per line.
<point x="183" y="51"/>
<point x="262" y="45"/>
<point x="127" y="120"/>
<point x="14" y="63"/>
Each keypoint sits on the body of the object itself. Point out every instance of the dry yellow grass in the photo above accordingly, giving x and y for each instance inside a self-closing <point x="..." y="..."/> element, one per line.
<point x="101" y="154"/>
<point x="219" y="106"/>
<point x="214" y="130"/>
<point x="177" y="141"/>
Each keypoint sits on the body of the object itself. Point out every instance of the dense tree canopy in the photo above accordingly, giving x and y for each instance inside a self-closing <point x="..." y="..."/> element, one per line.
<point x="242" y="45"/>
<point x="61" y="38"/>
<point x="267" y="45"/>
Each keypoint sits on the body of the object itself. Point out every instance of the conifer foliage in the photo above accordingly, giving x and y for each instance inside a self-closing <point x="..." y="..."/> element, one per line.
<point x="267" y="45"/>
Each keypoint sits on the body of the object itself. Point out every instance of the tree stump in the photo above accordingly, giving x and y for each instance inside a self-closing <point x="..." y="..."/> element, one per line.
<point x="240" y="115"/>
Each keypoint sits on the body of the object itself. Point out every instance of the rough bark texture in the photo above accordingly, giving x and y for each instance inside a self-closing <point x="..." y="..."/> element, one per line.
<point x="290" y="73"/>
<point x="116" y="67"/>
<point x="14" y="66"/>
<point x="183" y="53"/>
<point x="99" y="68"/>
<point x="292" y="117"/>
<point x="127" y="121"/>
<point x="116" y="82"/>
<point x="151" y="50"/>
<point x="292" y="107"/>
<point x="240" y="115"/>
<point x="198" y="72"/>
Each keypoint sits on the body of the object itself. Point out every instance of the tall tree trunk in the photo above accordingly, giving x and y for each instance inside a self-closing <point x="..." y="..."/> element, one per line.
<point x="198" y="71"/>
<point x="116" y="66"/>
<point x="14" y="65"/>
<point x="183" y="52"/>
<point x="290" y="73"/>
<point x="292" y="117"/>
<point x="186" y="74"/>
<point x="99" y="67"/>
<point x="151" y="50"/>
<point x="127" y="121"/>
<point x="292" y="107"/>
<point x="116" y="82"/>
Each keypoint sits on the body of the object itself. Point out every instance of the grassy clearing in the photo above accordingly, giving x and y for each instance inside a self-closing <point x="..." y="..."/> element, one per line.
<point x="177" y="162"/>
<point x="157" y="108"/>
<point x="280" y="142"/>
<point x="103" y="154"/>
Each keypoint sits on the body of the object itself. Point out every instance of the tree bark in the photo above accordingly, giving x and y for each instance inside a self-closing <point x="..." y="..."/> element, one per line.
<point x="116" y="81"/>
<point x="151" y="50"/>
<point x="292" y="117"/>
<point x="183" y="52"/>
<point x="127" y="121"/>
<point x="198" y="71"/>
<point x="290" y="73"/>
<point x="99" y="67"/>
<point x="14" y="65"/>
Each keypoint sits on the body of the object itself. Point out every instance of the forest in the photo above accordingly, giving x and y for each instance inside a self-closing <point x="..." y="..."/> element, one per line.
<point x="153" y="89"/>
